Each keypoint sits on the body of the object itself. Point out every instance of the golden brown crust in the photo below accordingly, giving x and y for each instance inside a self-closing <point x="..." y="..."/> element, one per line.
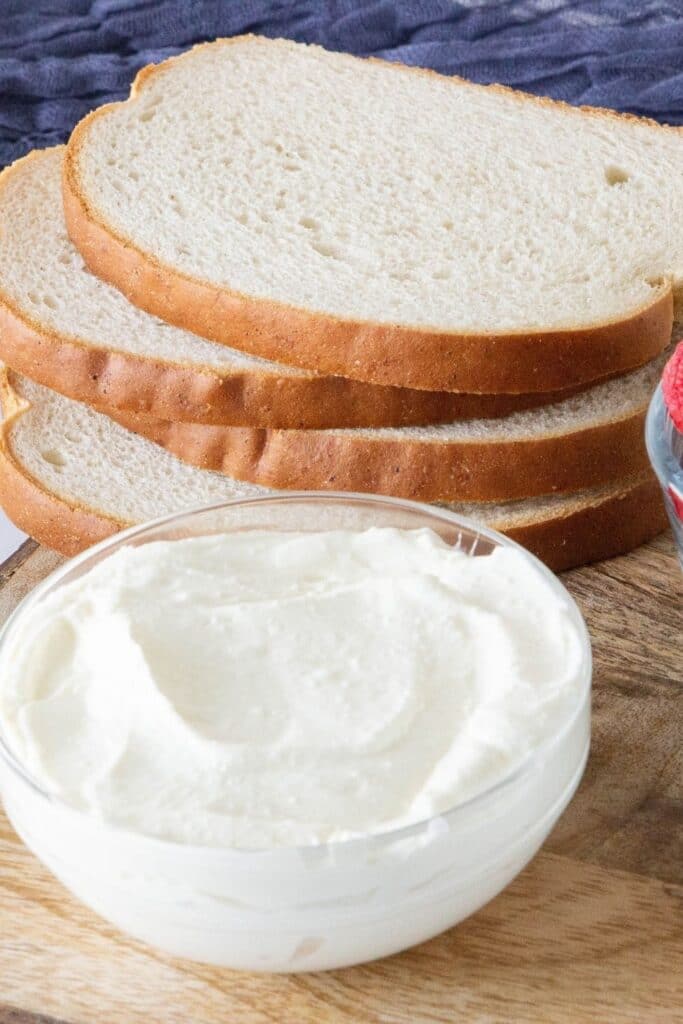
<point x="595" y="532"/>
<point x="408" y="468"/>
<point x="587" y="535"/>
<point x="607" y="528"/>
<point x="139" y="384"/>
<point x="46" y="517"/>
<point x="51" y="520"/>
<point x="379" y="353"/>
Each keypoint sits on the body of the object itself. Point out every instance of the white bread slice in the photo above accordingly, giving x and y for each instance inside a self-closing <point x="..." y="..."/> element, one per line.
<point x="70" y="477"/>
<point x="68" y="330"/>
<point x="585" y="441"/>
<point x="384" y="223"/>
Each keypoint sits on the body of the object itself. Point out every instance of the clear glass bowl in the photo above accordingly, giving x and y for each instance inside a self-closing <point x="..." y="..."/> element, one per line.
<point x="665" y="448"/>
<point x="315" y="907"/>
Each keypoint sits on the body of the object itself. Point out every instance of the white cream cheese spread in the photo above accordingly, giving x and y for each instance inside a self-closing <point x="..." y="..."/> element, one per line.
<point x="262" y="689"/>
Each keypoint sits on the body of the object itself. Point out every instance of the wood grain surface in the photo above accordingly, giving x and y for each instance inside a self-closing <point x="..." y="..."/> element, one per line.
<point x="592" y="931"/>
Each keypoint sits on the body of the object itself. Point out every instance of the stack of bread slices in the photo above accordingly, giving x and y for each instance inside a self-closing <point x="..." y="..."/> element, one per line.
<point x="276" y="267"/>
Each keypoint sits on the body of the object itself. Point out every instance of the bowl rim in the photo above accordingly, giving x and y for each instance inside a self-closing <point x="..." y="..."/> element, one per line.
<point x="448" y="817"/>
<point x="657" y="424"/>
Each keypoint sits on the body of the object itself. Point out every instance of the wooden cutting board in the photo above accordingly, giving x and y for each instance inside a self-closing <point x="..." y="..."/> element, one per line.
<point x="591" y="931"/>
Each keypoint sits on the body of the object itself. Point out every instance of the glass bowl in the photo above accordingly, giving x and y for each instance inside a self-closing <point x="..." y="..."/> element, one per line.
<point x="665" y="448"/>
<point x="311" y="907"/>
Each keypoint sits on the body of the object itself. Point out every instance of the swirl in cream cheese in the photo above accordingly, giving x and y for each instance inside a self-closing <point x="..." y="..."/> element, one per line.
<point x="262" y="689"/>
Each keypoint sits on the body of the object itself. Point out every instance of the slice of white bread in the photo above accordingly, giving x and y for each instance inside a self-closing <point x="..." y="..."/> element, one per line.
<point x="70" y="477"/>
<point x="585" y="441"/>
<point x="385" y="223"/>
<point x="68" y="330"/>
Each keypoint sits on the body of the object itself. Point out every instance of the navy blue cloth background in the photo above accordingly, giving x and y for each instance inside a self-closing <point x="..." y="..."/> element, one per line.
<point x="61" y="58"/>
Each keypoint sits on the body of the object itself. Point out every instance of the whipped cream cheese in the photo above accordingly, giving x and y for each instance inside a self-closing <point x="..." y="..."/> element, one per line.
<point x="264" y="689"/>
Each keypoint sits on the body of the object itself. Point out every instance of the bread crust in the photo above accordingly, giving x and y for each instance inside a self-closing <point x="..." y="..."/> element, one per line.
<point x="59" y="524"/>
<point x="390" y="354"/>
<point x="171" y="391"/>
<point x="607" y="528"/>
<point x="411" y="467"/>
<point x="591" y="534"/>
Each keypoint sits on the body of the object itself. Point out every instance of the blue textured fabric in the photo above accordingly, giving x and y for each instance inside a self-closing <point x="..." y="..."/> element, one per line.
<point x="61" y="58"/>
